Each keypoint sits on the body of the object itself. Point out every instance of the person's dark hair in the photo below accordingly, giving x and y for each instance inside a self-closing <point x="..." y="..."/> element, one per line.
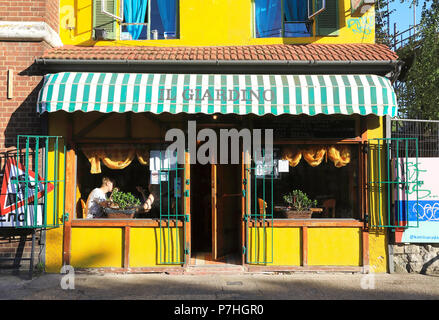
<point x="107" y="179"/>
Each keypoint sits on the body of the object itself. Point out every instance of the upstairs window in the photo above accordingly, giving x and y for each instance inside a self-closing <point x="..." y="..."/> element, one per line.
<point x="294" y="18"/>
<point x="137" y="19"/>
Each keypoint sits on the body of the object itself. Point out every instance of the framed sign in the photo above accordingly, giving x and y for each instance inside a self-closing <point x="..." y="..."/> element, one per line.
<point x="420" y="207"/>
<point x="18" y="202"/>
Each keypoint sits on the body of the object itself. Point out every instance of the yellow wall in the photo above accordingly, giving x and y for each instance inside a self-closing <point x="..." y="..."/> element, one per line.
<point x="145" y="247"/>
<point x="377" y="236"/>
<point x="334" y="247"/>
<point x="212" y="23"/>
<point x="54" y="236"/>
<point x="97" y="247"/>
<point x="326" y="246"/>
<point x="286" y="244"/>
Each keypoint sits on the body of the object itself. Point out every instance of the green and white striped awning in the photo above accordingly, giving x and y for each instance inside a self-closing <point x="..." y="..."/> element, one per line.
<point x="218" y="93"/>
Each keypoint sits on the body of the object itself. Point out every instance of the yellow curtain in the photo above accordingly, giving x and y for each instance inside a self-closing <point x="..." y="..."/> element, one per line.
<point x="143" y="156"/>
<point x="293" y="155"/>
<point x="118" y="157"/>
<point x="93" y="156"/>
<point x="114" y="157"/>
<point x="314" y="155"/>
<point x="340" y="155"/>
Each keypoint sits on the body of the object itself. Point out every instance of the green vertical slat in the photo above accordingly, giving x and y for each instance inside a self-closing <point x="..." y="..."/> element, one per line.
<point x="26" y="180"/>
<point x="311" y="98"/>
<point x="111" y="90"/>
<point x="379" y="185"/>
<point x="211" y="108"/>
<point x="299" y="103"/>
<point x="55" y="189"/>
<point x="46" y="158"/>
<point x="198" y="89"/>
<point x="286" y="91"/>
<point x="224" y="99"/>
<point x="86" y="93"/>
<point x="74" y="92"/>
<point x="174" y="81"/>
<point x="323" y="95"/>
<point x="64" y="185"/>
<point x="37" y="182"/>
<point x="15" y="182"/>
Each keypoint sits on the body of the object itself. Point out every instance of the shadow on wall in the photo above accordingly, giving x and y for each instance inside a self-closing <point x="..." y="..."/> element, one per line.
<point x="14" y="254"/>
<point x="25" y="120"/>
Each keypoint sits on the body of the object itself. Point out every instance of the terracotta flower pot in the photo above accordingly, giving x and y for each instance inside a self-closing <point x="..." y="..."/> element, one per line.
<point x="294" y="214"/>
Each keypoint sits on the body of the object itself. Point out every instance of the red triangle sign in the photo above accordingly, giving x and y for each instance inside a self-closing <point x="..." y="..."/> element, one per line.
<point x="13" y="194"/>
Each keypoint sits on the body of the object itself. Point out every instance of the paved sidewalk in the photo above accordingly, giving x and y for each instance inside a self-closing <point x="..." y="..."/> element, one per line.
<point x="319" y="286"/>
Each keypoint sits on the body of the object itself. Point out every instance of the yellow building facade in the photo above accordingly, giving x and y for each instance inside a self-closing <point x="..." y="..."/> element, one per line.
<point x="343" y="241"/>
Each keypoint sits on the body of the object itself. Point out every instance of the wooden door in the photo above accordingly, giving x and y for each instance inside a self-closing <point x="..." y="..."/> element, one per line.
<point x="217" y="243"/>
<point x="226" y="211"/>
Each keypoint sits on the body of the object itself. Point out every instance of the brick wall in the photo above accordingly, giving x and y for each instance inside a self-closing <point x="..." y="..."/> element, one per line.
<point x="31" y="10"/>
<point x="18" y="114"/>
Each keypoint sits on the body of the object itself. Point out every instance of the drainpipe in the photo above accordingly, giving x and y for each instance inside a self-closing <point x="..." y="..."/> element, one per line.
<point x="29" y="31"/>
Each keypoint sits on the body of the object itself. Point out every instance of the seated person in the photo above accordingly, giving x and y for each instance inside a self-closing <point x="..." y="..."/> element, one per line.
<point x="97" y="196"/>
<point x="148" y="202"/>
<point x="152" y="204"/>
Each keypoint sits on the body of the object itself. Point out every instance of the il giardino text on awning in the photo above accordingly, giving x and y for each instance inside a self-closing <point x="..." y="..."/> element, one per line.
<point x="217" y="93"/>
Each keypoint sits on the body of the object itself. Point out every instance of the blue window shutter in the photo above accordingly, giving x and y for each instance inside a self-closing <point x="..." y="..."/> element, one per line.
<point x="103" y="21"/>
<point x="327" y="21"/>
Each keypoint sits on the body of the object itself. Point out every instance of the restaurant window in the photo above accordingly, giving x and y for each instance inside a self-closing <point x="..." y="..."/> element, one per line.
<point x="145" y="182"/>
<point x="326" y="174"/>
<point x="135" y="19"/>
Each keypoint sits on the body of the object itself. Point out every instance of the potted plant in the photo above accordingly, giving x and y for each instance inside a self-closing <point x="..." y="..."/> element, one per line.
<point x="121" y="205"/>
<point x="299" y="205"/>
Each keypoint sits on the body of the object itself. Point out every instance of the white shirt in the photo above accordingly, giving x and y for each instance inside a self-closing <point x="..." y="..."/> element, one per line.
<point x="94" y="210"/>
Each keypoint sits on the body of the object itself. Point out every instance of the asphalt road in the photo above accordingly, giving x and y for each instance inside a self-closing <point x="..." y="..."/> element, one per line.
<point x="295" y="286"/>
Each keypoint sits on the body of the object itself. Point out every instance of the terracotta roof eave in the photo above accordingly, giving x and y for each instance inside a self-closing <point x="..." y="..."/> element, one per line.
<point x="215" y="62"/>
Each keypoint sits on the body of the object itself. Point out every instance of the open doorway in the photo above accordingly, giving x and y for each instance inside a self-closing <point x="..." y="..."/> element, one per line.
<point x="216" y="200"/>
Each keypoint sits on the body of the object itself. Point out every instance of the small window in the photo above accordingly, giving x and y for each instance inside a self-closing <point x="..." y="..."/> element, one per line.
<point x="281" y="18"/>
<point x="295" y="17"/>
<point x="145" y="20"/>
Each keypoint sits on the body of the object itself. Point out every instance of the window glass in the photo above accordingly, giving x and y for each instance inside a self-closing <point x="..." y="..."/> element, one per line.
<point x="296" y="22"/>
<point x="271" y="15"/>
<point x="132" y="169"/>
<point x="161" y="13"/>
<point x="330" y="178"/>
<point x="268" y="18"/>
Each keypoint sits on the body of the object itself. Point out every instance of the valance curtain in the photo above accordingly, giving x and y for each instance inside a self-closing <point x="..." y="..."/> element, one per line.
<point x="167" y="10"/>
<point x="340" y="155"/>
<point x="268" y="18"/>
<point x="134" y="11"/>
<point x="116" y="157"/>
<point x="295" y="10"/>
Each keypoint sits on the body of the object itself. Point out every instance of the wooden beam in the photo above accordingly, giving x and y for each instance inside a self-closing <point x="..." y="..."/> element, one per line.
<point x="70" y="161"/>
<point x="92" y="125"/>
<point x="254" y="268"/>
<point x="128" y="120"/>
<point x="304" y="246"/>
<point x="365" y="249"/>
<point x="124" y="223"/>
<point x="187" y="200"/>
<point x="118" y="140"/>
<point x="126" y="247"/>
<point x="310" y="223"/>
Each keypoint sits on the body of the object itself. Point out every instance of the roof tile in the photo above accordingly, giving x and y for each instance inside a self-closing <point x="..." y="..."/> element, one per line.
<point x="290" y="52"/>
